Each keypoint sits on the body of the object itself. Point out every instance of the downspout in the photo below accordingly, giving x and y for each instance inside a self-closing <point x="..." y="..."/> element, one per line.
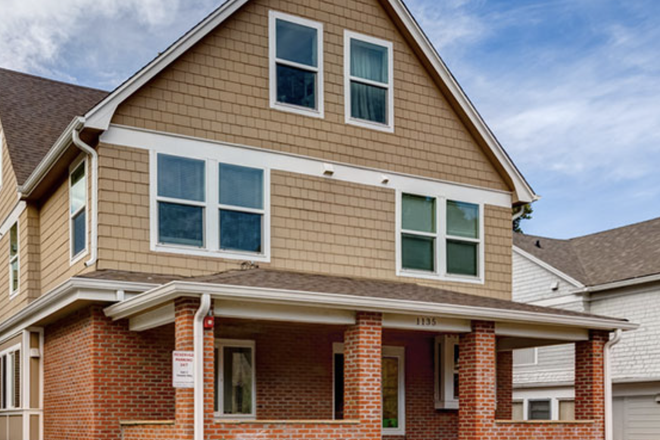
<point x="204" y="307"/>
<point x="609" y="422"/>
<point x="94" y="236"/>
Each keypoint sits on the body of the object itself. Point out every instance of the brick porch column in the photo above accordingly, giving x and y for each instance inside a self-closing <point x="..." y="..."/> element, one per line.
<point x="589" y="377"/>
<point x="504" y="410"/>
<point x="476" y="412"/>
<point x="362" y="374"/>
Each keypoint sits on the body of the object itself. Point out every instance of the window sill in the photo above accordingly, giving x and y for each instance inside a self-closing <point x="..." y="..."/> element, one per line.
<point x="544" y="422"/>
<point x="285" y="422"/>
<point x="302" y="111"/>
<point x="448" y="404"/>
<point x="436" y="277"/>
<point x="75" y="259"/>
<point x="371" y="125"/>
<point x="201" y="252"/>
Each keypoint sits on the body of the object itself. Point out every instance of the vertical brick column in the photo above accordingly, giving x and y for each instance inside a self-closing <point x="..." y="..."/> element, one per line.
<point x="184" y="315"/>
<point x="504" y="410"/>
<point x="589" y="377"/>
<point x="362" y="374"/>
<point x="476" y="412"/>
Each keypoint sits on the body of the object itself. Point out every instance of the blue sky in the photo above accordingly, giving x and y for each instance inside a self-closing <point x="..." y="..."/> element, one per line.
<point x="571" y="88"/>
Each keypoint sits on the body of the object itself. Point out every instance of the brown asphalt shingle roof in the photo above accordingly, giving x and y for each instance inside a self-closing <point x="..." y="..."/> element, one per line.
<point x="34" y="112"/>
<point x="618" y="254"/>
<point x="360" y="287"/>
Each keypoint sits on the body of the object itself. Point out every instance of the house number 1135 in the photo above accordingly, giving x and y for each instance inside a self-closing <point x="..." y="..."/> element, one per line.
<point x="426" y="321"/>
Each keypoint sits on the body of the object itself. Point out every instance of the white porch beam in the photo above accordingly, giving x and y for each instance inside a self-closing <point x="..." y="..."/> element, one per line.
<point x="277" y="312"/>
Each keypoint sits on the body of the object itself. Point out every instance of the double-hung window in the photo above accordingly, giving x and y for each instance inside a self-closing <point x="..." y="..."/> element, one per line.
<point x="235" y="391"/>
<point x="296" y="64"/>
<point x="10" y="378"/>
<point x="368" y="81"/>
<point x="439" y="238"/>
<point x="78" y="210"/>
<point x="205" y="207"/>
<point x="14" y="263"/>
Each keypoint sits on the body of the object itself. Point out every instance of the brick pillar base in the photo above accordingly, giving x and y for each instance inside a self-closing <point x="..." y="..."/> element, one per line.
<point x="362" y="374"/>
<point x="504" y="410"/>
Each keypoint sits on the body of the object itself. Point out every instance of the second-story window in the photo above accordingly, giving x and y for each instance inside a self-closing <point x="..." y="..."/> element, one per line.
<point x="14" y="263"/>
<point x="78" y="210"/>
<point x="368" y="82"/>
<point x="296" y="64"/>
<point x="440" y="238"/>
<point x="241" y="208"/>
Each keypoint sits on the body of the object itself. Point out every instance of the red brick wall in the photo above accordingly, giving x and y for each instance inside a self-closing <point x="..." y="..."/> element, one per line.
<point x="504" y="408"/>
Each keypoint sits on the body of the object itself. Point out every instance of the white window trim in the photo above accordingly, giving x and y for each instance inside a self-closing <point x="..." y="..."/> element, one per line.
<point x="211" y="212"/>
<point x="219" y="345"/>
<point x="441" y="238"/>
<point x="389" y="127"/>
<point x="444" y="390"/>
<point x="73" y="259"/>
<point x="17" y="258"/>
<point x="9" y="378"/>
<point x="528" y="364"/>
<point x="387" y="351"/>
<point x="319" y="111"/>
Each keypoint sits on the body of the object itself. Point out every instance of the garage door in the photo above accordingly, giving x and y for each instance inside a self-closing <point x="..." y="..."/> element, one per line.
<point x="636" y="418"/>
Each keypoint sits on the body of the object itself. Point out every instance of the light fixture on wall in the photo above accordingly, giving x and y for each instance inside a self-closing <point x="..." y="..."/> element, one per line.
<point x="328" y="169"/>
<point x="384" y="179"/>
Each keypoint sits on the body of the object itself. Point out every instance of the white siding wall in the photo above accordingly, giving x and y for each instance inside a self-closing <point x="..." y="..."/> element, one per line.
<point x="636" y="418"/>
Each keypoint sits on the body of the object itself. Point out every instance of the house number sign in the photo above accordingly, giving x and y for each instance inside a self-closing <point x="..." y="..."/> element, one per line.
<point x="426" y="321"/>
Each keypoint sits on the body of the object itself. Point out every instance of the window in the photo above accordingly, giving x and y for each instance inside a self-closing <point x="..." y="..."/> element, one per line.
<point x="518" y="410"/>
<point x="368" y="82"/>
<point x="203" y="207"/>
<point x="10" y="378"/>
<point x="235" y="384"/>
<point x="78" y="210"/>
<point x="539" y="410"/>
<point x="524" y="357"/>
<point x="446" y="372"/>
<point x="439" y="238"/>
<point x="14" y="264"/>
<point x="296" y="64"/>
<point x="393" y="387"/>
<point x="567" y="410"/>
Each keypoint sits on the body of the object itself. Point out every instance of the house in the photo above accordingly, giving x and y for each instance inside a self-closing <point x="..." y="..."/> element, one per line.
<point x="290" y="224"/>
<point x="611" y="272"/>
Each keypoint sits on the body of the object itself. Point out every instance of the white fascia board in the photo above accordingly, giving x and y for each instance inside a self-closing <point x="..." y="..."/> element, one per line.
<point x="153" y="318"/>
<point x="75" y="289"/>
<point x="282" y="313"/>
<point x="541" y="332"/>
<point x="176" y="289"/>
<point x="13" y="217"/>
<point x="622" y="284"/>
<point x="548" y="267"/>
<point x="168" y="143"/>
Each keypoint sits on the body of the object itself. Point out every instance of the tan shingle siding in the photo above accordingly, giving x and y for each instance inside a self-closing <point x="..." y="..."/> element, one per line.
<point x="219" y="90"/>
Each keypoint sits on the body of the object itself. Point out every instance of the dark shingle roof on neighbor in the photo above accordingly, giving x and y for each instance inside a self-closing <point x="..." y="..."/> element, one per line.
<point x="34" y="112"/>
<point x="618" y="254"/>
<point x="360" y="287"/>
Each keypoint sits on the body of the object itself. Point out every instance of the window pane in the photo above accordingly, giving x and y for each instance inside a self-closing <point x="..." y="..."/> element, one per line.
<point x="296" y="43"/>
<point x="539" y="410"/>
<point x="79" y="233"/>
<point x="369" y="61"/>
<point x="13" y="240"/>
<point x="461" y="258"/>
<point x="296" y="86"/>
<point x="181" y="178"/>
<point x="237" y="378"/>
<point x="180" y="224"/>
<point x="78" y="188"/>
<point x="417" y="252"/>
<point x="240" y="231"/>
<point x="390" y="392"/>
<point x="517" y="408"/>
<point x="418" y="213"/>
<point x="567" y="410"/>
<point x="14" y="275"/>
<point x="462" y="219"/>
<point x="368" y="103"/>
<point x="241" y="186"/>
<point x="339" y="386"/>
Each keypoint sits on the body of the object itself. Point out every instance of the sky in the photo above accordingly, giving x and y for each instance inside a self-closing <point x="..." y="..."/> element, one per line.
<point x="571" y="88"/>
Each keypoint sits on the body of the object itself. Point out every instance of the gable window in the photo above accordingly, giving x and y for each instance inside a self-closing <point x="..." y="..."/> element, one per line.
<point x="446" y="372"/>
<point x="439" y="238"/>
<point x="235" y="379"/>
<point x="78" y="210"/>
<point x="296" y="64"/>
<point x="392" y="384"/>
<point x="368" y="82"/>
<point x="14" y="263"/>
<point x="10" y="378"/>
<point x="203" y="207"/>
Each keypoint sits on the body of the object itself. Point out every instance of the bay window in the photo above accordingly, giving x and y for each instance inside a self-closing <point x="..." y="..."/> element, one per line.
<point x="368" y="82"/>
<point x="439" y="238"/>
<point x="78" y="210"/>
<point x="296" y="64"/>
<point x="235" y="379"/>
<point x="14" y="263"/>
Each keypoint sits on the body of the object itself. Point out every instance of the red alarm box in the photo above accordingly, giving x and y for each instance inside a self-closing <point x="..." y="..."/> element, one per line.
<point x="209" y="322"/>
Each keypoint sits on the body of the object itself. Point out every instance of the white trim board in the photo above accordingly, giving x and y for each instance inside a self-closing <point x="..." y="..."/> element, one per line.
<point x="12" y="218"/>
<point x="173" y="144"/>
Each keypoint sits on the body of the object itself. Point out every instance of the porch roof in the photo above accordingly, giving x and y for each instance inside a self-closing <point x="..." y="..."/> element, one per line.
<point x="294" y="288"/>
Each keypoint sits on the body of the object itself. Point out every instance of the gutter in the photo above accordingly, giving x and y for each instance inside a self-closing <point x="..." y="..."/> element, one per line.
<point x="94" y="236"/>
<point x="198" y="328"/>
<point x="621" y="284"/>
<point x="609" y="419"/>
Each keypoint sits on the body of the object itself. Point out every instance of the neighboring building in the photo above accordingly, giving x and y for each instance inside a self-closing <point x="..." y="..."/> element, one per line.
<point x="299" y="199"/>
<point x="616" y="272"/>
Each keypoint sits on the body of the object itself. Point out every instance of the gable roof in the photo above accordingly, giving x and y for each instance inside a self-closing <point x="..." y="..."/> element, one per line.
<point x="34" y="112"/>
<point x="621" y="254"/>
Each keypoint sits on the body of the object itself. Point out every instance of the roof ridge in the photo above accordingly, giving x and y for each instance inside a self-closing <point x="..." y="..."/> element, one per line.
<point x="618" y="228"/>
<point x="57" y="81"/>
